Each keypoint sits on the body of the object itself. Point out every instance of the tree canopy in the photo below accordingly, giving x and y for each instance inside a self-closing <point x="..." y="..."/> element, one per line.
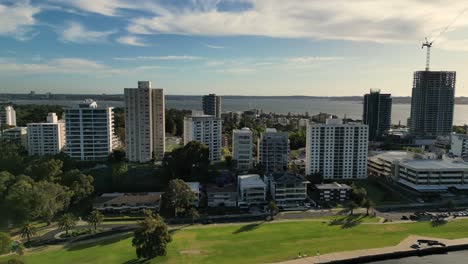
<point x="178" y="196"/>
<point x="152" y="237"/>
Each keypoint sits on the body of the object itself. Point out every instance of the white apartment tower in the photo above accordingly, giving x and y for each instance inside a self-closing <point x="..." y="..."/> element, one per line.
<point x="46" y="138"/>
<point x="205" y="129"/>
<point x="242" y="148"/>
<point x="144" y="123"/>
<point x="273" y="150"/>
<point x="7" y="116"/>
<point x="89" y="131"/>
<point x="336" y="150"/>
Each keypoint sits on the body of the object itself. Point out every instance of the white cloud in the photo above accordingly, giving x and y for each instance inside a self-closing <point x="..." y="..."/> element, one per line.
<point x="17" y="20"/>
<point x="74" y="32"/>
<point x="103" y="7"/>
<point x="214" y="46"/>
<point x="149" y="58"/>
<point x="132" y="41"/>
<point x="237" y="70"/>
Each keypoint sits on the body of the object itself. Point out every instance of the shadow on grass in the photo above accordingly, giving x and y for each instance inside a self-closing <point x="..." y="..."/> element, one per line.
<point x="347" y="221"/>
<point x="137" y="261"/>
<point x="102" y="242"/>
<point x="438" y="222"/>
<point x="247" y="228"/>
<point x="172" y="231"/>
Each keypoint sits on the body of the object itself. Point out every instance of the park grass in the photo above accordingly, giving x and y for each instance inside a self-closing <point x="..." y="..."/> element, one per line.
<point x="253" y="242"/>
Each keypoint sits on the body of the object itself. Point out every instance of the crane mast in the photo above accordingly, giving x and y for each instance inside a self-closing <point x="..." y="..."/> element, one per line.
<point x="428" y="46"/>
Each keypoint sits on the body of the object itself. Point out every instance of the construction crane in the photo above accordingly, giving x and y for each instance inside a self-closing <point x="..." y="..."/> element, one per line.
<point x="428" y="44"/>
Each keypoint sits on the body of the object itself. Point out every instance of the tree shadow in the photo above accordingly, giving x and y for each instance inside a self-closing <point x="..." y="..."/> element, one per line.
<point x="347" y="221"/>
<point x="172" y="231"/>
<point x="438" y="222"/>
<point x="137" y="261"/>
<point x="247" y="228"/>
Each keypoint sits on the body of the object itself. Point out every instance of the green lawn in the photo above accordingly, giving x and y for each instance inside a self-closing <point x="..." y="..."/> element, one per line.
<point x="254" y="243"/>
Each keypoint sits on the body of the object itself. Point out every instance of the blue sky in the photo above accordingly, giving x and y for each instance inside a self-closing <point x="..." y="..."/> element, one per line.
<point x="244" y="47"/>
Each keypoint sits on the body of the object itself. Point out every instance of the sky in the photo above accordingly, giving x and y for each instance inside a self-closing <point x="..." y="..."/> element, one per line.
<point x="229" y="47"/>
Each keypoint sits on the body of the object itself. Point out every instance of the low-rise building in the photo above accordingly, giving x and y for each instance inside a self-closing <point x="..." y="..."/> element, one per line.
<point x="128" y="202"/>
<point x="221" y="195"/>
<point x="195" y="187"/>
<point x="459" y="145"/>
<point x="17" y="135"/>
<point x="333" y="192"/>
<point x="289" y="190"/>
<point x="423" y="172"/>
<point x="252" y="190"/>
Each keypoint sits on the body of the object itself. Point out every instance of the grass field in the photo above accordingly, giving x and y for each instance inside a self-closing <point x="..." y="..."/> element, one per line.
<point x="253" y="242"/>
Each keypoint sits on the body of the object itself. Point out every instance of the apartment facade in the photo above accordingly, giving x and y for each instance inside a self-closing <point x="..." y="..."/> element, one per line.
<point x="46" y="138"/>
<point x="459" y="145"/>
<point x="252" y="190"/>
<point x="144" y="123"/>
<point x="336" y="150"/>
<point x="432" y="104"/>
<point x="16" y="135"/>
<point x="377" y="113"/>
<point x="242" y="148"/>
<point x="221" y="196"/>
<point x="273" y="150"/>
<point x="333" y="192"/>
<point x="289" y="190"/>
<point x="206" y="129"/>
<point x="89" y="131"/>
<point x="212" y="105"/>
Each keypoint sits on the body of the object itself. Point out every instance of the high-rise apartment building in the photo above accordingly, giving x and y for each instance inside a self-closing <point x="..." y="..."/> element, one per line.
<point x="377" y="113"/>
<point x="206" y="129"/>
<point x="144" y="123"/>
<point x="89" y="131"/>
<point x="7" y="116"/>
<point x="212" y="105"/>
<point x="273" y="150"/>
<point x="46" y="138"/>
<point x="242" y="148"/>
<point x="432" y="104"/>
<point x="336" y="150"/>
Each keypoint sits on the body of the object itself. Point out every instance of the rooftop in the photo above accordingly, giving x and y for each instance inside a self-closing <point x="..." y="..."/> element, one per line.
<point x="217" y="189"/>
<point x="334" y="185"/>
<point x="436" y="164"/>
<point x="251" y="180"/>
<point x="288" y="178"/>
<point x="128" y="198"/>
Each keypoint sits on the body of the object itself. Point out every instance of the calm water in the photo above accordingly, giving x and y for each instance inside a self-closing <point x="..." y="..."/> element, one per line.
<point x="400" y="112"/>
<point x="456" y="257"/>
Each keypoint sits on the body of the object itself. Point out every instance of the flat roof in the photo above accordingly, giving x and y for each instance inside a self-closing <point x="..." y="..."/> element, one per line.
<point x="251" y="180"/>
<point x="212" y="188"/>
<point x="335" y="185"/>
<point x="432" y="164"/>
<point x="390" y="155"/>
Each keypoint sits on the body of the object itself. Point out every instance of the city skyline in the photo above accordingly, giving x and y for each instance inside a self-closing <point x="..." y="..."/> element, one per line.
<point x="250" y="47"/>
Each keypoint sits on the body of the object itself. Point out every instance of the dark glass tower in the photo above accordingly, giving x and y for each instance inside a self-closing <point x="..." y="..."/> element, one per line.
<point x="377" y="113"/>
<point x="212" y="105"/>
<point x="432" y="104"/>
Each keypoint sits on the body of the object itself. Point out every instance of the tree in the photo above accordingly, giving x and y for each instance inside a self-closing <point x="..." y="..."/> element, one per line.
<point x="119" y="172"/>
<point x="193" y="214"/>
<point x="297" y="140"/>
<point x="79" y="183"/>
<point x="178" y="195"/>
<point x="95" y="218"/>
<point x="49" y="199"/>
<point x="272" y="209"/>
<point x="27" y="231"/>
<point x="189" y="163"/>
<point x="152" y="237"/>
<point x="351" y="205"/>
<point x="358" y="194"/>
<point x="20" y="200"/>
<point x="11" y="157"/>
<point x="118" y="155"/>
<point x="45" y="169"/>
<point x="6" y="180"/>
<point x="450" y="205"/>
<point x="368" y="204"/>
<point x="5" y="243"/>
<point x="66" y="222"/>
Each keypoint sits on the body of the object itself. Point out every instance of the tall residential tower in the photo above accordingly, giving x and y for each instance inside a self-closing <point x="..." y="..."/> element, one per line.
<point x="212" y="105"/>
<point x="377" y="113"/>
<point x="144" y="123"/>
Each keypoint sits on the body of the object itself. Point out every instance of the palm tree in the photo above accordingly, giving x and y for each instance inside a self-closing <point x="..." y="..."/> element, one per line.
<point x="368" y="204"/>
<point x="193" y="214"/>
<point x="28" y="231"/>
<point x="272" y="209"/>
<point x="351" y="205"/>
<point x="67" y="222"/>
<point x="95" y="218"/>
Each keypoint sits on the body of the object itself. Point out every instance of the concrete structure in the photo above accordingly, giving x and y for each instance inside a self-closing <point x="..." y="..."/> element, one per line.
<point x="377" y="113"/>
<point x="432" y="104"/>
<point x="46" y="138"/>
<point x="89" y="131"/>
<point x="7" y="116"/>
<point x="459" y="145"/>
<point x="423" y="172"/>
<point x="128" y="202"/>
<point x="273" y="150"/>
<point x="212" y="105"/>
<point x="144" y="123"/>
<point x="242" y="148"/>
<point x="221" y="195"/>
<point x="195" y="187"/>
<point x="17" y="135"/>
<point x="205" y="129"/>
<point x="336" y="150"/>
<point x="289" y="190"/>
<point x="333" y="191"/>
<point x="252" y="190"/>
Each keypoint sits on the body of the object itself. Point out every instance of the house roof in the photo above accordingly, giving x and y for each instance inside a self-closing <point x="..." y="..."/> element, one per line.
<point x="217" y="189"/>
<point x="288" y="178"/>
<point x="251" y="180"/>
<point x="333" y="186"/>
